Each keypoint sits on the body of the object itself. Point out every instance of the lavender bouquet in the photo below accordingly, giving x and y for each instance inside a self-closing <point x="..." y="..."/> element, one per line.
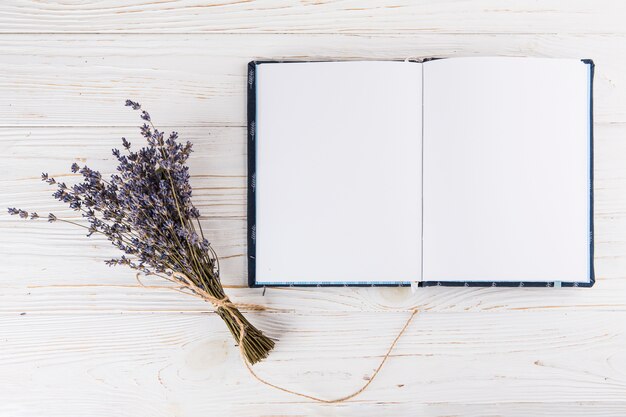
<point x="145" y="210"/>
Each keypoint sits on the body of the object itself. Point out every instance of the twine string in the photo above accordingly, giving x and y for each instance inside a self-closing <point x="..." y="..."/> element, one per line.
<point x="231" y="307"/>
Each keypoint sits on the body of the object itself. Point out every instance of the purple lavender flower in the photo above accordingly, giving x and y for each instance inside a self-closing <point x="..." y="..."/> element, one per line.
<point x="125" y="143"/>
<point x="145" y="210"/>
<point x="46" y="178"/>
<point x="133" y="104"/>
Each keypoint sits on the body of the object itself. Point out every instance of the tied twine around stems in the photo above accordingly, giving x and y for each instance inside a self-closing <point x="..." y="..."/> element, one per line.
<point x="228" y="305"/>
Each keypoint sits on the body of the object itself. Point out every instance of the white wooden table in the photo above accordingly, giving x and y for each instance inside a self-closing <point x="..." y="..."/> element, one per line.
<point x="80" y="339"/>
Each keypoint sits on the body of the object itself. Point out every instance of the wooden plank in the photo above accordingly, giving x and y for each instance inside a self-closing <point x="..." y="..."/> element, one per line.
<point x="200" y="80"/>
<point x="565" y="363"/>
<point x="96" y="294"/>
<point x="282" y="16"/>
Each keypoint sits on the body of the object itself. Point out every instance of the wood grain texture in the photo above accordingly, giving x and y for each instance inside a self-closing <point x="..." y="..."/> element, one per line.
<point x="199" y="80"/>
<point x="312" y="16"/>
<point x="169" y="364"/>
<point x="80" y="339"/>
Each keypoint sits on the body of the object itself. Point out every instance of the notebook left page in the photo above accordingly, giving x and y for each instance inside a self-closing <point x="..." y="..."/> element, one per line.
<point x="337" y="181"/>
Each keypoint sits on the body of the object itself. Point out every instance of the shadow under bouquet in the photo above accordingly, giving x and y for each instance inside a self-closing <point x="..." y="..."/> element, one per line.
<point x="145" y="210"/>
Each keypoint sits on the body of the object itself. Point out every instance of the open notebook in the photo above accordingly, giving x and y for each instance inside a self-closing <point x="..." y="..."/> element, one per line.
<point x="458" y="171"/>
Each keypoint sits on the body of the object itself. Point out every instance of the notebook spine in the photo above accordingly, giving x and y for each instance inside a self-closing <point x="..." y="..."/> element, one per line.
<point x="251" y="136"/>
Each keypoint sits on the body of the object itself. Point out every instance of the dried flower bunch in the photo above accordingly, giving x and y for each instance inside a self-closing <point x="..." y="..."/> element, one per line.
<point x="145" y="210"/>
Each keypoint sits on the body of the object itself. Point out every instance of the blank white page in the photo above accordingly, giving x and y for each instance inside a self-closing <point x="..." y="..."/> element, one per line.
<point x="338" y="179"/>
<point x="506" y="170"/>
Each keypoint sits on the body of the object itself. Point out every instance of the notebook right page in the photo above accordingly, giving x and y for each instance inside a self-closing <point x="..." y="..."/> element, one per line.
<point x="506" y="185"/>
